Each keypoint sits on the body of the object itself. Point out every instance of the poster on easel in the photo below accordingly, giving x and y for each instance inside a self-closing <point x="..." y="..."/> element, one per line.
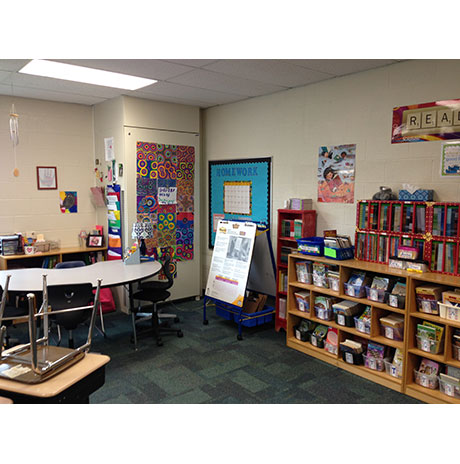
<point x="231" y="261"/>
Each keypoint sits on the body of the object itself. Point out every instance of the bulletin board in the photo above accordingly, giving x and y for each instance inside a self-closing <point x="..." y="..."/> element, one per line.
<point x="239" y="190"/>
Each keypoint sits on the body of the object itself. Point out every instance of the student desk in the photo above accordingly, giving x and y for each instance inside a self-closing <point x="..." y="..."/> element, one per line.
<point x="73" y="385"/>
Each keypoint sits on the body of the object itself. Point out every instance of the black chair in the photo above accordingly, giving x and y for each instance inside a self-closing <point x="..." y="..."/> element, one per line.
<point x="69" y="264"/>
<point x="153" y="292"/>
<point x="70" y="296"/>
<point x="8" y="311"/>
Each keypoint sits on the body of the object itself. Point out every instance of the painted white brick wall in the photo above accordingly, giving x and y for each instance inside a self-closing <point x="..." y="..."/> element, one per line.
<point x="50" y="134"/>
<point x="291" y="126"/>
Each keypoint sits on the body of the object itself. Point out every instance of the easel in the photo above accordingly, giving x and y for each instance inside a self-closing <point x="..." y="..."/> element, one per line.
<point x="261" y="279"/>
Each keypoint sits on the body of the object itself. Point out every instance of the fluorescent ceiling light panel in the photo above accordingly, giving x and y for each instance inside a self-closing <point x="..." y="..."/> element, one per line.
<point x="70" y="72"/>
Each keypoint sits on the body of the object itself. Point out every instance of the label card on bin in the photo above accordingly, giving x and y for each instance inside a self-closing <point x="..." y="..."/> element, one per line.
<point x="361" y="326"/>
<point x="340" y="319"/>
<point x="349" y="358"/>
<point x="389" y="332"/>
<point x="374" y="294"/>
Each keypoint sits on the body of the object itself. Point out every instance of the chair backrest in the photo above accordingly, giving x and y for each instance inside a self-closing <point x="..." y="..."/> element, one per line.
<point x="167" y="272"/>
<point x="70" y="296"/>
<point x="69" y="264"/>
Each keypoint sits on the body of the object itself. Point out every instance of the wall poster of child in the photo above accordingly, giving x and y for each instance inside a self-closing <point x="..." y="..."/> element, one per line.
<point x="336" y="174"/>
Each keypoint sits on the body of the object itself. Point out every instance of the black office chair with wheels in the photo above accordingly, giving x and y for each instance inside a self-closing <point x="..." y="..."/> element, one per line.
<point x="70" y="296"/>
<point x="153" y="292"/>
<point x="8" y="311"/>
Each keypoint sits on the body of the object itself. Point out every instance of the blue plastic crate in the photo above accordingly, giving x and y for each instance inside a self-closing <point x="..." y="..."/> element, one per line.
<point x="256" y="318"/>
<point x="339" y="253"/>
<point x="311" y="246"/>
<point x="224" y="313"/>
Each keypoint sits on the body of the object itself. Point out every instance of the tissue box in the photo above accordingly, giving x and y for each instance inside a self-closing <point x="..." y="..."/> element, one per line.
<point x="418" y="195"/>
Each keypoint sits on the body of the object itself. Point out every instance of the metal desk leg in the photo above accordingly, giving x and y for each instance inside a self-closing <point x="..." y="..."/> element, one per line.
<point x="133" y="319"/>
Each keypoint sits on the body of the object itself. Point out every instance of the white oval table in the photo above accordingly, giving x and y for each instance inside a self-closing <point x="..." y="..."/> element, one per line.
<point x="112" y="273"/>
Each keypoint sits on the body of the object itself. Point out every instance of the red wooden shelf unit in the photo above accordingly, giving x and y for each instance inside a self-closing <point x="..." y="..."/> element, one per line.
<point x="292" y="224"/>
<point x="432" y="227"/>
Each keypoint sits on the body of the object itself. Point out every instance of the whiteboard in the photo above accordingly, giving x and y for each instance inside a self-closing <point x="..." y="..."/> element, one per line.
<point x="262" y="273"/>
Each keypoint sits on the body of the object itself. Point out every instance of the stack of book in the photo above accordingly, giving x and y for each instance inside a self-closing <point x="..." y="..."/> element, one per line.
<point x="291" y="228"/>
<point x="285" y="252"/>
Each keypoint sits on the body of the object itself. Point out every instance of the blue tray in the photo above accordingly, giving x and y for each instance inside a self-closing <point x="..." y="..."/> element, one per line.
<point x="311" y="246"/>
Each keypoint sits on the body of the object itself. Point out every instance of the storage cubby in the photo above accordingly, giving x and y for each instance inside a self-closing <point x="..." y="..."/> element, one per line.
<point x="381" y="375"/>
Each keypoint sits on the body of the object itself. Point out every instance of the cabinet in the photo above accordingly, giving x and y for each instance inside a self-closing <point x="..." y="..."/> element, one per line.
<point x="86" y="254"/>
<point x="433" y="228"/>
<point x="411" y="354"/>
<point x="292" y="224"/>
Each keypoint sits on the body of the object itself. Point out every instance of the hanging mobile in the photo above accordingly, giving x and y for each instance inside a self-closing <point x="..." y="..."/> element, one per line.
<point x="14" y="135"/>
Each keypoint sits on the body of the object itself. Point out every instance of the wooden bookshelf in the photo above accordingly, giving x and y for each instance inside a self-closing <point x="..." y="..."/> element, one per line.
<point x="411" y="354"/>
<point x="61" y="254"/>
<point x="286" y="239"/>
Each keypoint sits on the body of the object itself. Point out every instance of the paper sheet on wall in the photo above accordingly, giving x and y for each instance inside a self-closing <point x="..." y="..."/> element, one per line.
<point x="237" y="198"/>
<point x="108" y="148"/>
<point x="231" y="260"/>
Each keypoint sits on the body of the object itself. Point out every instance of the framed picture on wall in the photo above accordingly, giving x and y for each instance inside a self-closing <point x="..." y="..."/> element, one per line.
<point x="94" y="241"/>
<point x="46" y="178"/>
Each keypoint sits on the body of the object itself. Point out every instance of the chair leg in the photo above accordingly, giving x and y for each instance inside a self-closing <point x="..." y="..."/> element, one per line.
<point x="133" y="319"/>
<point x="102" y="320"/>
<point x="156" y="326"/>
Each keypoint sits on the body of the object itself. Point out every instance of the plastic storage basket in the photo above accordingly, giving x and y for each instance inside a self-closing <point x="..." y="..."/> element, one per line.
<point x="311" y="246"/>
<point x="456" y="352"/>
<point x="316" y="341"/>
<point x="427" y="306"/>
<point x="352" y="358"/>
<point x="330" y="348"/>
<point x="449" y="388"/>
<point x="343" y="320"/>
<point x="426" y="380"/>
<point x="333" y="283"/>
<point x="358" y="291"/>
<point x="362" y="326"/>
<point x="324" y="314"/>
<point x="393" y="369"/>
<point x="339" y="253"/>
<point x="397" y="301"/>
<point x="376" y="294"/>
<point x="393" y="333"/>
<point x="428" y="345"/>
<point x="375" y="364"/>
<point x="448" y="311"/>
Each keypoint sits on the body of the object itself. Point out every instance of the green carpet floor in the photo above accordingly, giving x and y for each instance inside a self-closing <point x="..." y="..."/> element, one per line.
<point x="209" y="365"/>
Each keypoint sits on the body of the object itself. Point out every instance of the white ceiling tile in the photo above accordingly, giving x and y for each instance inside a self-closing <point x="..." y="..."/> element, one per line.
<point x="153" y="69"/>
<point x="271" y="71"/>
<point x="222" y="83"/>
<point x="341" y="67"/>
<point x="4" y="75"/>
<point x="61" y="85"/>
<point x="194" y="63"/>
<point x="189" y="93"/>
<point x="39" y="94"/>
<point x="12" y="65"/>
